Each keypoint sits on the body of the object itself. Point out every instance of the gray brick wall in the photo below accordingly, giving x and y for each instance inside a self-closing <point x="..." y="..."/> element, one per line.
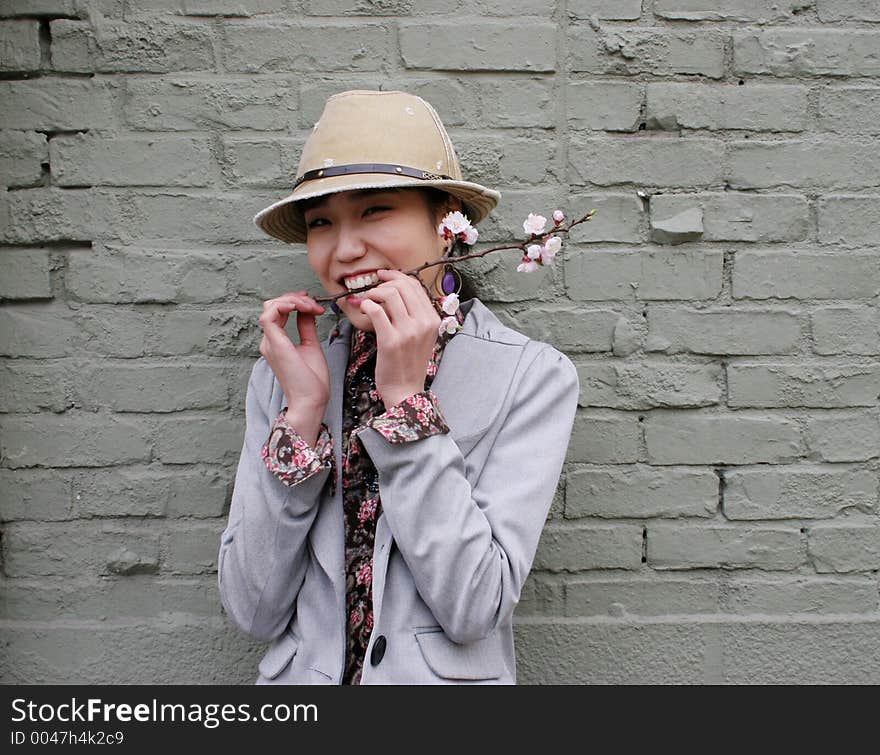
<point x="718" y="519"/>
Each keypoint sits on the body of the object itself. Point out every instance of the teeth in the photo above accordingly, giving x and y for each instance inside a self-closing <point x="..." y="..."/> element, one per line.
<point x="361" y="280"/>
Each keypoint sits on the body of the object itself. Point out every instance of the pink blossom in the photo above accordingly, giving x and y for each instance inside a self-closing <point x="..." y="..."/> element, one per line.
<point x="448" y="325"/>
<point x="550" y="248"/>
<point x="534" y="224"/>
<point x="450" y="303"/>
<point x="527" y="266"/>
<point x="558" y="216"/>
<point x="533" y="252"/>
<point x="457" y="226"/>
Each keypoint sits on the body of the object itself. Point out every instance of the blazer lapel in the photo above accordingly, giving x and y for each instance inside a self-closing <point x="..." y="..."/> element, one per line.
<point x="328" y="532"/>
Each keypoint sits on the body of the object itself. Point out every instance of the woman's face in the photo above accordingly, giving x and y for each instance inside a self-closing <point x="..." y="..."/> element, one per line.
<point x="355" y="233"/>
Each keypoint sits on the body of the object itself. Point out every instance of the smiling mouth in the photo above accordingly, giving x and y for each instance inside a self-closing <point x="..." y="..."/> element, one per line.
<point x="356" y="282"/>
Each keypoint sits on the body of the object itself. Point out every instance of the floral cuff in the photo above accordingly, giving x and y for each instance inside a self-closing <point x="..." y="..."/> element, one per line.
<point x="417" y="416"/>
<point x="290" y="458"/>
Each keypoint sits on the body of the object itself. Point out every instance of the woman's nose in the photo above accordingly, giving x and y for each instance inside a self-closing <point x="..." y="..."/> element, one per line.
<point x="349" y="243"/>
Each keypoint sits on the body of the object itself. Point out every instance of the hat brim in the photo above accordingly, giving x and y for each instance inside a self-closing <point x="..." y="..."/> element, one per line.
<point x="284" y="220"/>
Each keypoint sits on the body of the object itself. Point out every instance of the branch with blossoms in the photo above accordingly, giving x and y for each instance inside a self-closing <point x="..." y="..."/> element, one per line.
<point x="538" y="249"/>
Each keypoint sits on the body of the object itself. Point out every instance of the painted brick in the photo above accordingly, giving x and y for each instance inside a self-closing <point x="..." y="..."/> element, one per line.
<point x="541" y="595"/>
<point x="134" y="596"/>
<point x="193" y="548"/>
<point x="152" y="387"/>
<point x="215" y="333"/>
<point x="118" y="274"/>
<point x="53" y="214"/>
<point x="98" y="160"/>
<point x="843" y="435"/>
<point x="814" y="385"/>
<point x="798" y="492"/>
<point x="577" y="652"/>
<point x="357" y="7"/>
<point x="641" y="492"/>
<point x="604" y="105"/>
<point x="816" y="595"/>
<point x="645" y="385"/>
<point x="727" y="106"/>
<point x="500" y="282"/>
<point x="215" y="440"/>
<point x="269" y="163"/>
<point x="478" y="46"/>
<point x="579" y="330"/>
<point x="604" y="438"/>
<point x="641" y="597"/>
<point x="199" y="216"/>
<point x="848" y="10"/>
<point x="576" y="548"/>
<point x="763" y="275"/>
<point x="629" y="51"/>
<point x="34" y="494"/>
<point x="846" y="330"/>
<point x="836" y="549"/>
<point x="114" y="331"/>
<point x="517" y="101"/>
<point x="674" y="330"/>
<point x="687" y="274"/>
<point x="848" y="220"/>
<point x="828" y="163"/>
<point x="243" y="8"/>
<point x="189" y="104"/>
<point x="152" y="45"/>
<point x="703" y="546"/>
<point x="728" y="10"/>
<point x="607" y="10"/>
<point x="38" y="331"/>
<point x="618" y="217"/>
<point x="691" y="437"/>
<point x="55" y="103"/>
<point x="169" y="649"/>
<point x="24" y="274"/>
<point x="807" y="52"/>
<point x="55" y="8"/>
<point x="505" y="221"/>
<point x="21" y="156"/>
<point x="132" y="491"/>
<point x="72" y="440"/>
<point x="79" y="549"/>
<point x="251" y="47"/>
<point x="732" y="216"/>
<point x="645" y="161"/>
<point x="20" y="46"/>
<point x="849" y="110"/>
<point x="27" y="386"/>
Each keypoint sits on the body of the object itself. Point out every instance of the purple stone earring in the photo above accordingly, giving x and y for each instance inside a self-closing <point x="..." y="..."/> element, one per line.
<point x="449" y="283"/>
<point x="335" y="307"/>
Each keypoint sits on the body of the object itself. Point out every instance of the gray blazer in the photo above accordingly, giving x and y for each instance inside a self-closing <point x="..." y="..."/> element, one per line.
<point x="461" y="517"/>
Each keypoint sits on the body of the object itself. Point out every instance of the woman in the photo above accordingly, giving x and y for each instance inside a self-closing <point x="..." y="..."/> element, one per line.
<point x="394" y="479"/>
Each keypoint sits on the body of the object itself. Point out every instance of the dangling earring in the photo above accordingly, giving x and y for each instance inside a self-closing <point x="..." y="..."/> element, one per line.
<point x="450" y="274"/>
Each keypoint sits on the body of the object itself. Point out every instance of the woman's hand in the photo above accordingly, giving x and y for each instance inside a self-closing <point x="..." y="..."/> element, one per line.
<point x="301" y="370"/>
<point x="406" y="326"/>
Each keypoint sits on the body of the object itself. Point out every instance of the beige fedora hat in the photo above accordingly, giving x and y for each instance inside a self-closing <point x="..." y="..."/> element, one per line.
<point x="366" y="140"/>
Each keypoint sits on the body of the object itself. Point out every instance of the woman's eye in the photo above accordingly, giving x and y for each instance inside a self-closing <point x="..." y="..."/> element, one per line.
<point x="315" y="222"/>
<point x="375" y="209"/>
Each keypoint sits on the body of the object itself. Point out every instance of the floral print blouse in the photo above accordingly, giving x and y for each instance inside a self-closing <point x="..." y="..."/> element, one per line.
<point x="292" y="460"/>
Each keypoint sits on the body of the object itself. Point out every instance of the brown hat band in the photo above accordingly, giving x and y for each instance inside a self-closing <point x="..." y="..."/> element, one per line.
<point x="342" y="170"/>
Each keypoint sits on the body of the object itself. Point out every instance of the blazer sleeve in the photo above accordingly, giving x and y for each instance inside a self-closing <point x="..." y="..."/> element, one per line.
<point x="263" y="550"/>
<point x="470" y="549"/>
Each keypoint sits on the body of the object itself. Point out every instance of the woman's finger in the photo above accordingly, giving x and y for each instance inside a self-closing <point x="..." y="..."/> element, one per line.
<point x="381" y="323"/>
<point x="414" y="296"/>
<point x="389" y="296"/>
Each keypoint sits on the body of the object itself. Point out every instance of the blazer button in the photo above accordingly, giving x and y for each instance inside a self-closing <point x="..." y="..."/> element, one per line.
<point x="378" y="652"/>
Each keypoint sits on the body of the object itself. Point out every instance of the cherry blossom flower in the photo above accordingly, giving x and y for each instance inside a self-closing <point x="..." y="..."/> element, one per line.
<point x="449" y="325"/>
<point x="558" y="216"/>
<point x="449" y="303"/>
<point x="534" y="224"/>
<point x="527" y="266"/>
<point x="550" y="248"/>
<point x="455" y="225"/>
<point x="533" y="252"/>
